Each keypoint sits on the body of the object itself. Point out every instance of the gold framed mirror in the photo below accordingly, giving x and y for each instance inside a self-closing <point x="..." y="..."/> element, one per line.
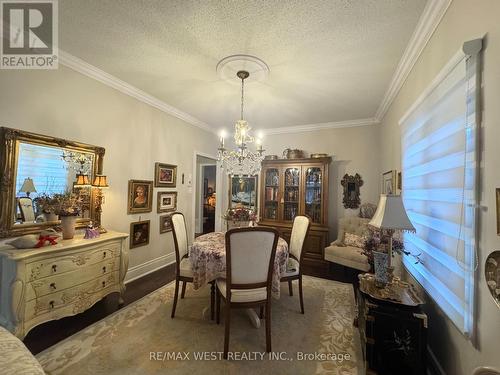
<point x="36" y="171"/>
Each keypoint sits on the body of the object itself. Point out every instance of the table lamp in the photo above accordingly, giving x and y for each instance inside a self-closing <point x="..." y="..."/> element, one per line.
<point x="391" y="217"/>
<point x="28" y="187"/>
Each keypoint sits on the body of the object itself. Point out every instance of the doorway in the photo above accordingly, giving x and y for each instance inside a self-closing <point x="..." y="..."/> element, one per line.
<point x="206" y="197"/>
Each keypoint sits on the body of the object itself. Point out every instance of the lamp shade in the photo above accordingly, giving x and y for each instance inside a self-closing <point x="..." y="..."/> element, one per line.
<point x="100" y="181"/>
<point x="391" y="214"/>
<point x="28" y="186"/>
<point x="82" y="180"/>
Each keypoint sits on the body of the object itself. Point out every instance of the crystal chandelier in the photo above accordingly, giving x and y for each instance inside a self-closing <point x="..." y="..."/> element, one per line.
<point x="241" y="161"/>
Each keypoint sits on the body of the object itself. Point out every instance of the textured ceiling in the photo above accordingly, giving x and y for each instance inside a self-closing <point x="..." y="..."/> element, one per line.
<point x="329" y="60"/>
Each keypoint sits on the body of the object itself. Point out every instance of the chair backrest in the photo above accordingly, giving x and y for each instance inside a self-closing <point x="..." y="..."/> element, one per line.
<point x="354" y="225"/>
<point x="250" y="254"/>
<point x="180" y="235"/>
<point x="301" y="225"/>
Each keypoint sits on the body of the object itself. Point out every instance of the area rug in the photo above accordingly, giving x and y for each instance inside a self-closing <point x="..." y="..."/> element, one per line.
<point x="141" y="338"/>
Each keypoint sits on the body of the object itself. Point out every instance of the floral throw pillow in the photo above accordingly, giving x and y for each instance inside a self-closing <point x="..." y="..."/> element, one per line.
<point x="351" y="239"/>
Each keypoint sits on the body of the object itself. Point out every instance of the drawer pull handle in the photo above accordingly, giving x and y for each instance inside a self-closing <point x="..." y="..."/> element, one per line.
<point x="104" y="284"/>
<point x="53" y="286"/>
<point x="54" y="268"/>
<point x="104" y="269"/>
<point x="51" y="303"/>
<point x="104" y="255"/>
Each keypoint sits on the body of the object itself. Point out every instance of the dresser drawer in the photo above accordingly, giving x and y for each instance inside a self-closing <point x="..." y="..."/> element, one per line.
<point x="78" y="295"/>
<point x="65" y="263"/>
<point x="56" y="283"/>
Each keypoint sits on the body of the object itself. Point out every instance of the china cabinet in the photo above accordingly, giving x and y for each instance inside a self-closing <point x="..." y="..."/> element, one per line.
<point x="291" y="187"/>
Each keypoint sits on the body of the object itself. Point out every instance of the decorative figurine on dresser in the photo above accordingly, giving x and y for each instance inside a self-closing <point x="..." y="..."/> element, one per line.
<point x="43" y="276"/>
<point x="291" y="187"/>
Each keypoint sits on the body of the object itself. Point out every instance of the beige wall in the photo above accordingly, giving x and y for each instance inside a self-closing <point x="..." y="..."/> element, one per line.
<point x="464" y="20"/>
<point x="66" y="104"/>
<point x="353" y="150"/>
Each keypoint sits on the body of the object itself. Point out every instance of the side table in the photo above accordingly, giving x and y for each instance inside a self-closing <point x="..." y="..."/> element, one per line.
<point x="393" y="328"/>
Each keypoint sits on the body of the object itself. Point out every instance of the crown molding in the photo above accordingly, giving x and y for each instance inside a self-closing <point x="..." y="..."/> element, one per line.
<point x="321" y="126"/>
<point x="429" y="20"/>
<point x="93" y="72"/>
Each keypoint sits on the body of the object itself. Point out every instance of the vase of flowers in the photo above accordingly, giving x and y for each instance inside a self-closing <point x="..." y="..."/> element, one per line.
<point x="47" y="206"/>
<point x="381" y="266"/>
<point x="68" y="206"/>
<point x="239" y="217"/>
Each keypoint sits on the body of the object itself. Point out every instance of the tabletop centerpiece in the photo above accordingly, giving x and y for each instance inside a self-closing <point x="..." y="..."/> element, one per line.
<point x="240" y="217"/>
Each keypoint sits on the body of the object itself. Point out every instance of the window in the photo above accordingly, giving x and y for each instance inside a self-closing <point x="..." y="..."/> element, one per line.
<point x="440" y="174"/>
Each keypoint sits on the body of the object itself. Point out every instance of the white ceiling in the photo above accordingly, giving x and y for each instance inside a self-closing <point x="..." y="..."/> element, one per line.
<point x="329" y="60"/>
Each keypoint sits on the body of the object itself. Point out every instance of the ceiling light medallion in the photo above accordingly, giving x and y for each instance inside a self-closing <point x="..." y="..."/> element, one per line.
<point x="241" y="161"/>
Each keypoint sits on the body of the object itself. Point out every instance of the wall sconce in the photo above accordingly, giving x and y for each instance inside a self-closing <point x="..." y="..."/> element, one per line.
<point x="100" y="182"/>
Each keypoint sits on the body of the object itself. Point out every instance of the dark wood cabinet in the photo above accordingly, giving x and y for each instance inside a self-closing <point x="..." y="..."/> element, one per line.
<point x="291" y="187"/>
<point x="393" y="336"/>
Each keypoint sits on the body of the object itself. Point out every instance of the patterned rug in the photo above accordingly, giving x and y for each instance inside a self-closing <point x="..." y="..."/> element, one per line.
<point x="141" y="338"/>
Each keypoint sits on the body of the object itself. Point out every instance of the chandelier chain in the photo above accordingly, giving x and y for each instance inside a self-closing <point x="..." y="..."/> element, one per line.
<point x="242" y="95"/>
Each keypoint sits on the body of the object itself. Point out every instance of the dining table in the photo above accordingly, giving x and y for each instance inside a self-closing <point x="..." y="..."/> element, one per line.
<point x="208" y="260"/>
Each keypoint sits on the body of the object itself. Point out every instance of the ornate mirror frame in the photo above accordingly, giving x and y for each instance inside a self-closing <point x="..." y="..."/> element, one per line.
<point x="9" y="144"/>
<point x="351" y="186"/>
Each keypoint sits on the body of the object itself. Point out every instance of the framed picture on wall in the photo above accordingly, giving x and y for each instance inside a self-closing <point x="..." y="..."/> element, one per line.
<point x="165" y="223"/>
<point x="165" y="175"/>
<point x="498" y="211"/>
<point x="243" y="191"/>
<point x="139" y="233"/>
<point x="389" y="182"/>
<point x="140" y="196"/>
<point x="400" y="181"/>
<point x="167" y="201"/>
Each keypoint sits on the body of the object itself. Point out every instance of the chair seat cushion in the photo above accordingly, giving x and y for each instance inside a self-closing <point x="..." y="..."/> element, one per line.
<point x="243" y="295"/>
<point x="292" y="267"/>
<point x="186" y="268"/>
<point x="348" y="256"/>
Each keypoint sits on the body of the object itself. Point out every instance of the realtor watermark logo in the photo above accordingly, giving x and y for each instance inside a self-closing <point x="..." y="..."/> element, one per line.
<point x="29" y="38"/>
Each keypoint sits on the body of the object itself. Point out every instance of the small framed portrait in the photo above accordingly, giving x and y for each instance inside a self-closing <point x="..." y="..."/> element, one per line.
<point x="167" y="201"/>
<point x="389" y="182"/>
<point x="139" y="233"/>
<point x="165" y="223"/>
<point x="140" y="196"/>
<point x="165" y="175"/>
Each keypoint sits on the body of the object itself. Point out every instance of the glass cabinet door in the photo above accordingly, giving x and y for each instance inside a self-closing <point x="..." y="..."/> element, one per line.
<point x="313" y="198"/>
<point x="291" y="193"/>
<point x="271" y="194"/>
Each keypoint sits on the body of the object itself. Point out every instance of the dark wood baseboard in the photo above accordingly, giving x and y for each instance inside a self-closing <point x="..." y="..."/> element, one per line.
<point x="50" y="333"/>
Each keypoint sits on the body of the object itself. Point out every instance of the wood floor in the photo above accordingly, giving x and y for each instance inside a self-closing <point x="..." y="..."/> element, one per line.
<point x="50" y="333"/>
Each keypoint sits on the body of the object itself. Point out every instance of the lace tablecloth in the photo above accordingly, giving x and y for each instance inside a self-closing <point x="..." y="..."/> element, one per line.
<point x="208" y="258"/>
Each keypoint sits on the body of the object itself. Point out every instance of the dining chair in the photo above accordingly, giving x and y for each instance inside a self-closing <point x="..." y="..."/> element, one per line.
<point x="183" y="271"/>
<point x="300" y="228"/>
<point x="250" y="254"/>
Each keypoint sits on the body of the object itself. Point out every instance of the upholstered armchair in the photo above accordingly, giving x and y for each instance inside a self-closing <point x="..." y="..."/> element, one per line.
<point x="349" y="255"/>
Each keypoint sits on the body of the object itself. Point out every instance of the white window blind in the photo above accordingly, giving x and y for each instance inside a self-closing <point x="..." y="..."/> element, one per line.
<point x="45" y="166"/>
<point x="440" y="177"/>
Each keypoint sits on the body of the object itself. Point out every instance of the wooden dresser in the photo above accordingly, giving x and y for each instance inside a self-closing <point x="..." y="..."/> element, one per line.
<point x="291" y="187"/>
<point x="38" y="285"/>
